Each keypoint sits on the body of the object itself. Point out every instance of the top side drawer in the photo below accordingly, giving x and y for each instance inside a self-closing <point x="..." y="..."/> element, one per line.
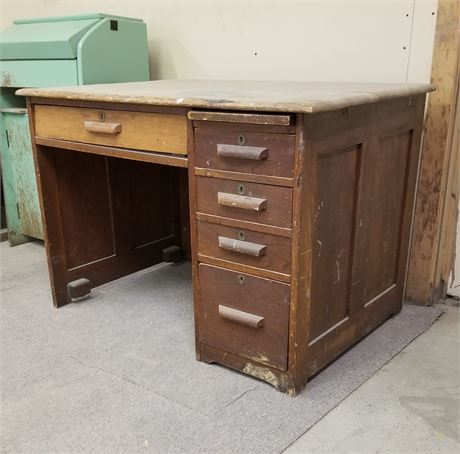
<point x="237" y="148"/>
<point x="166" y="133"/>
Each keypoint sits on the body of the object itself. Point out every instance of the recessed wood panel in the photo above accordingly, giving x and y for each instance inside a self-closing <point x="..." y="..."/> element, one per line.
<point x="381" y="208"/>
<point x="109" y="209"/>
<point x="333" y="231"/>
<point x="153" y="190"/>
<point x="85" y="206"/>
<point x="136" y="130"/>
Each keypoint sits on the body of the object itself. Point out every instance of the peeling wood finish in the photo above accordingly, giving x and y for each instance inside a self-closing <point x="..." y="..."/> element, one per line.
<point x="433" y="238"/>
<point x="289" y="97"/>
<point x="24" y="218"/>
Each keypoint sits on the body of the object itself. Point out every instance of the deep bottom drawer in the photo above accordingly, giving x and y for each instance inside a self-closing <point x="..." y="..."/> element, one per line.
<point x="244" y="315"/>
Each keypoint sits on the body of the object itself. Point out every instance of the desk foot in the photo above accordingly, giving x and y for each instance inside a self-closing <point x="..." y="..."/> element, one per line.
<point x="172" y="254"/>
<point x="80" y="289"/>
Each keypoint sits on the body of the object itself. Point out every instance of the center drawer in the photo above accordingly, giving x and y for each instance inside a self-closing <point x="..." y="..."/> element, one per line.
<point x="244" y="314"/>
<point x="252" y="202"/>
<point x="166" y="133"/>
<point x="243" y="246"/>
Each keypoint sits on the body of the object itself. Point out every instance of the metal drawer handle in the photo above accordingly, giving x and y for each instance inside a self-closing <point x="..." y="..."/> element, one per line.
<point x="244" y="318"/>
<point x="102" y="126"/>
<point x="241" y="201"/>
<point x="242" y="247"/>
<point x="242" y="152"/>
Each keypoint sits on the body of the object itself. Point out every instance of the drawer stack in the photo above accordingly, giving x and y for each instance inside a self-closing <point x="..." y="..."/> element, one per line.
<point x="243" y="174"/>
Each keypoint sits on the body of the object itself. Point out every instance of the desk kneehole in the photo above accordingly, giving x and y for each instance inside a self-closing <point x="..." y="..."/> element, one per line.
<point x="159" y="132"/>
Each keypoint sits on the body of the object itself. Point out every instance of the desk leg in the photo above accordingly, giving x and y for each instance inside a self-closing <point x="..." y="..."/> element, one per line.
<point x="54" y="238"/>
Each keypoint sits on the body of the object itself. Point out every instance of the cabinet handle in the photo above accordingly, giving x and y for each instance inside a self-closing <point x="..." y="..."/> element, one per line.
<point x="241" y="201"/>
<point x="242" y="247"/>
<point x="102" y="126"/>
<point x="244" y="318"/>
<point x="242" y="152"/>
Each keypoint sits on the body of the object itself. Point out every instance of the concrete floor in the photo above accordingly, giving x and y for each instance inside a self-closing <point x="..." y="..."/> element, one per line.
<point x="410" y="406"/>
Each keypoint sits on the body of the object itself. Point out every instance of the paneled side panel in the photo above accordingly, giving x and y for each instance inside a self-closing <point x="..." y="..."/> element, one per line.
<point x="333" y="232"/>
<point x="85" y="209"/>
<point x="381" y="207"/>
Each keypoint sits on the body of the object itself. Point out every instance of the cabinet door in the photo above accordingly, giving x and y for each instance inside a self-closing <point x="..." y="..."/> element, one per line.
<point x="21" y="179"/>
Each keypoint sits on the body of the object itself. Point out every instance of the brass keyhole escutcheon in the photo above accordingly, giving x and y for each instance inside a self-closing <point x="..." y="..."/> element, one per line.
<point x="101" y="116"/>
<point x="241" y="189"/>
<point x="241" y="279"/>
<point x="241" y="236"/>
<point x="241" y="140"/>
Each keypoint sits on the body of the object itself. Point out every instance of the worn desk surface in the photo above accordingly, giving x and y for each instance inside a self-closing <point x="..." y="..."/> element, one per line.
<point x="293" y="97"/>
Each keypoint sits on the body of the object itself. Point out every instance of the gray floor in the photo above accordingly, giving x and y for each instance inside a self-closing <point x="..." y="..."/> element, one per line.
<point x="92" y="378"/>
<point x="411" y="405"/>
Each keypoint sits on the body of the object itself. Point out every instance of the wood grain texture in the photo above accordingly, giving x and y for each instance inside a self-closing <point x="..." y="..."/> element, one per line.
<point x="333" y="223"/>
<point x="48" y="195"/>
<point x="276" y="257"/>
<point x="123" y="153"/>
<point x="235" y="222"/>
<point x="426" y="282"/>
<point x="280" y="147"/>
<point x="101" y="216"/>
<point x="445" y="272"/>
<point x="254" y="96"/>
<point x="246" y="118"/>
<point x="166" y="132"/>
<point x="373" y="224"/>
<point x="241" y="176"/>
<point x="260" y="297"/>
<point x="278" y="206"/>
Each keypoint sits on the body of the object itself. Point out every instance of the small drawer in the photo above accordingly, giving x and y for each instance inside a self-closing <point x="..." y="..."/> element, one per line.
<point x="259" y="250"/>
<point x="232" y="150"/>
<point x="252" y="202"/>
<point x="164" y="133"/>
<point x="244" y="315"/>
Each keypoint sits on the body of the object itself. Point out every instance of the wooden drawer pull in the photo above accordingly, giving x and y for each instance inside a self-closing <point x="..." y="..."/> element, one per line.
<point x="244" y="318"/>
<point x="242" y="247"/>
<point x="101" y="126"/>
<point x="242" y="152"/>
<point x="241" y="201"/>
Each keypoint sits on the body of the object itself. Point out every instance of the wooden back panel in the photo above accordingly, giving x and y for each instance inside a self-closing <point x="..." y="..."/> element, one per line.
<point x="104" y="211"/>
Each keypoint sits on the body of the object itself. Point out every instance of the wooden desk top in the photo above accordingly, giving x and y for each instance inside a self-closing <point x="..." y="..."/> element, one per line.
<point x="294" y="97"/>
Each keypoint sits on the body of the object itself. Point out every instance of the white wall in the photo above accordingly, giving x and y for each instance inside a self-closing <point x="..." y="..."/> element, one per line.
<point x="341" y="40"/>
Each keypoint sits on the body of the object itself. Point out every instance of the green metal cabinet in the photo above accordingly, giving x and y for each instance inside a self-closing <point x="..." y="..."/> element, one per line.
<point x="55" y="51"/>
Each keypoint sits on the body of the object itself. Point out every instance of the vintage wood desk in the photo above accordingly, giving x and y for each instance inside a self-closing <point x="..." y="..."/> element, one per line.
<point x="297" y="198"/>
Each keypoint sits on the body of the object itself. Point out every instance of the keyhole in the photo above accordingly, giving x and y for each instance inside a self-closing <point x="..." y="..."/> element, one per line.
<point x="101" y="116"/>
<point x="241" y="140"/>
<point x="241" y="279"/>
<point x="241" y="235"/>
<point x="241" y="189"/>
